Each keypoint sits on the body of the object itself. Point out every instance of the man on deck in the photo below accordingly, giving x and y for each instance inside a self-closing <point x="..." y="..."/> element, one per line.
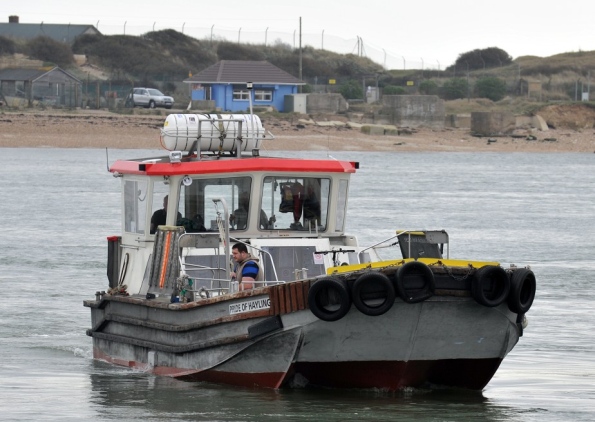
<point x="248" y="269"/>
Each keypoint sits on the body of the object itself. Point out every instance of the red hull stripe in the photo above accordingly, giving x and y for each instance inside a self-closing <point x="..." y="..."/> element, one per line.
<point x="462" y="373"/>
<point x="263" y="380"/>
<point x="234" y="166"/>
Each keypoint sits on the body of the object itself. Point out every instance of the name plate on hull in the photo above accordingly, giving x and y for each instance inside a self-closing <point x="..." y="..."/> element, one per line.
<point x="249" y="306"/>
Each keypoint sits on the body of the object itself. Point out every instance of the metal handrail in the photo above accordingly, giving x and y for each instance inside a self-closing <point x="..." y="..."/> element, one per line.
<point x="374" y="247"/>
<point x="399" y="233"/>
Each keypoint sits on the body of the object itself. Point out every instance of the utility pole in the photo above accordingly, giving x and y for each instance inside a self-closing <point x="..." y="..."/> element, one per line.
<point x="300" y="73"/>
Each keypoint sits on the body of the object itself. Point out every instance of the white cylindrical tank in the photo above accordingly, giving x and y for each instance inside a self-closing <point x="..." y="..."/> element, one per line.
<point x="215" y="132"/>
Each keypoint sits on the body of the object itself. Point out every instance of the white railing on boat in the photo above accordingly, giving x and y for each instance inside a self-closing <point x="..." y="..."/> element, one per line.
<point x="216" y="284"/>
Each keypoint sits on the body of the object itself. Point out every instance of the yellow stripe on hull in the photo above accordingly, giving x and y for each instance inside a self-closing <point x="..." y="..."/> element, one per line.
<point x="399" y="262"/>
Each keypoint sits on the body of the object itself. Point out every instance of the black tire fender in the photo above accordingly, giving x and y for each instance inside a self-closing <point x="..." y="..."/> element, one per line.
<point x="522" y="290"/>
<point x="370" y="287"/>
<point x="329" y="299"/>
<point x="490" y="286"/>
<point x="415" y="282"/>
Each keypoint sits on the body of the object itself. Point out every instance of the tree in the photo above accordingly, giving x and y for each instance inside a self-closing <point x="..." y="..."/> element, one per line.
<point x="482" y="59"/>
<point x="491" y="87"/>
<point x="454" y="88"/>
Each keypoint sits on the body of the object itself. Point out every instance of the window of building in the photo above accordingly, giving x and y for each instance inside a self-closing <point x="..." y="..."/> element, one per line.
<point x="241" y="94"/>
<point x="263" y="95"/>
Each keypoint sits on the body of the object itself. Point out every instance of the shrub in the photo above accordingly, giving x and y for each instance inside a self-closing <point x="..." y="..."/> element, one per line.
<point x="482" y="59"/>
<point x="7" y="47"/>
<point x="491" y="87"/>
<point x="307" y="89"/>
<point x="393" y="90"/>
<point x="235" y="51"/>
<point x="162" y="55"/>
<point x="351" y="90"/>
<point x="48" y="50"/>
<point x="428" y="87"/>
<point x="455" y="88"/>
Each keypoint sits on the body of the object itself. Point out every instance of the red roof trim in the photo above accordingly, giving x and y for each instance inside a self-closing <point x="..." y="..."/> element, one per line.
<point x="234" y="166"/>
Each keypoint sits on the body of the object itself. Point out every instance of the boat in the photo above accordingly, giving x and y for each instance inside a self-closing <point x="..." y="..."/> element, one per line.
<point x="327" y="311"/>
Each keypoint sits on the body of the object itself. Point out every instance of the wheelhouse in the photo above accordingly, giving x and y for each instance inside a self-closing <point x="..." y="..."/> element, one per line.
<point x="291" y="211"/>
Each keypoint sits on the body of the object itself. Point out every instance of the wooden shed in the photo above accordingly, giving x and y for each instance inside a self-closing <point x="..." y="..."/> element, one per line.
<point x="53" y="86"/>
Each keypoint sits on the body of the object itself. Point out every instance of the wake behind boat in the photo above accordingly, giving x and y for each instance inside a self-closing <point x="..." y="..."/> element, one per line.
<point x="324" y="310"/>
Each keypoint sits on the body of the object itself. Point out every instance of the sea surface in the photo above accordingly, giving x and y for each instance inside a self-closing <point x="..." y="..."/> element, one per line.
<point x="58" y="205"/>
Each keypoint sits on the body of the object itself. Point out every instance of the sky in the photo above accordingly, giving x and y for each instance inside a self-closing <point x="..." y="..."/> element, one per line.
<point x="428" y="34"/>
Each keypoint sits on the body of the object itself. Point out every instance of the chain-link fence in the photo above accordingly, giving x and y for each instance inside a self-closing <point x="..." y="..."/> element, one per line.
<point x="112" y="94"/>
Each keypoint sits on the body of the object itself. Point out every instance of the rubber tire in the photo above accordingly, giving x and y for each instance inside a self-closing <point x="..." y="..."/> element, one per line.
<point x="152" y="104"/>
<point x="486" y="277"/>
<point x="318" y="294"/>
<point x="359" y="289"/>
<point x="522" y="290"/>
<point x="411" y="269"/>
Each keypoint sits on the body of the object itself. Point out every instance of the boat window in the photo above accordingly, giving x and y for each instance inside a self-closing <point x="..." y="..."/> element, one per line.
<point x="296" y="203"/>
<point x="198" y="209"/>
<point x="341" y="206"/>
<point x="135" y="206"/>
<point x="158" y="213"/>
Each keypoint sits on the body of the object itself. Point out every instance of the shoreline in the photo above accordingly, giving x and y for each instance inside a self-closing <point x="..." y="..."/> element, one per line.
<point x="108" y="130"/>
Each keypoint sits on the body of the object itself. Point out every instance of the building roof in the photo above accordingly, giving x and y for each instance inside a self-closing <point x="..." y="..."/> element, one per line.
<point x="65" y="33"/>
<point x="242" y="71"/>
<point x="55" y="75"/>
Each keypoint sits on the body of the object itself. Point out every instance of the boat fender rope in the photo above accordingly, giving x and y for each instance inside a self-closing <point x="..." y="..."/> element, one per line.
<point x="118" y="291"/>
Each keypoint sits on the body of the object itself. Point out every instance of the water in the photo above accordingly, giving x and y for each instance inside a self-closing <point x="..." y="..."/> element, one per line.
<point x="59" y="205"/>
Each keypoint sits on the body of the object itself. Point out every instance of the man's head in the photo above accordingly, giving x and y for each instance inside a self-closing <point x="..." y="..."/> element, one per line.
<point x="239" y="251"/>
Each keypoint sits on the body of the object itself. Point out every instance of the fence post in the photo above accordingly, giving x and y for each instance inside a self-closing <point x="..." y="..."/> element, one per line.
<point x="97" y="102"/>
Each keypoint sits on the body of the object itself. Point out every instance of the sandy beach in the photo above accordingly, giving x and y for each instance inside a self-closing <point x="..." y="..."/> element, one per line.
<point x="101" y="129"/>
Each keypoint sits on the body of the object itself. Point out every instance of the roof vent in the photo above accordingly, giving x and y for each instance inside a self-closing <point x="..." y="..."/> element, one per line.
<point x="13" y="19"/>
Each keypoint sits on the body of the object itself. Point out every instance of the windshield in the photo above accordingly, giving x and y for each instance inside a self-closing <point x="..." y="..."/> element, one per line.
<point x="196" y="202"/>
<point x="296" y="203"/>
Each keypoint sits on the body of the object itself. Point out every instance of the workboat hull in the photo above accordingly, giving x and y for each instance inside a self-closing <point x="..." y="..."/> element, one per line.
<point x="444" y="340"/>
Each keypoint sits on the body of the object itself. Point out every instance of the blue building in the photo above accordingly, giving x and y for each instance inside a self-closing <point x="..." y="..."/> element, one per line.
<point x="225" y="84"/>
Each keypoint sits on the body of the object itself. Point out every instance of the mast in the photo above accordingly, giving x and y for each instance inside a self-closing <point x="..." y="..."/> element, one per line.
<point x="300" y="71"/>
